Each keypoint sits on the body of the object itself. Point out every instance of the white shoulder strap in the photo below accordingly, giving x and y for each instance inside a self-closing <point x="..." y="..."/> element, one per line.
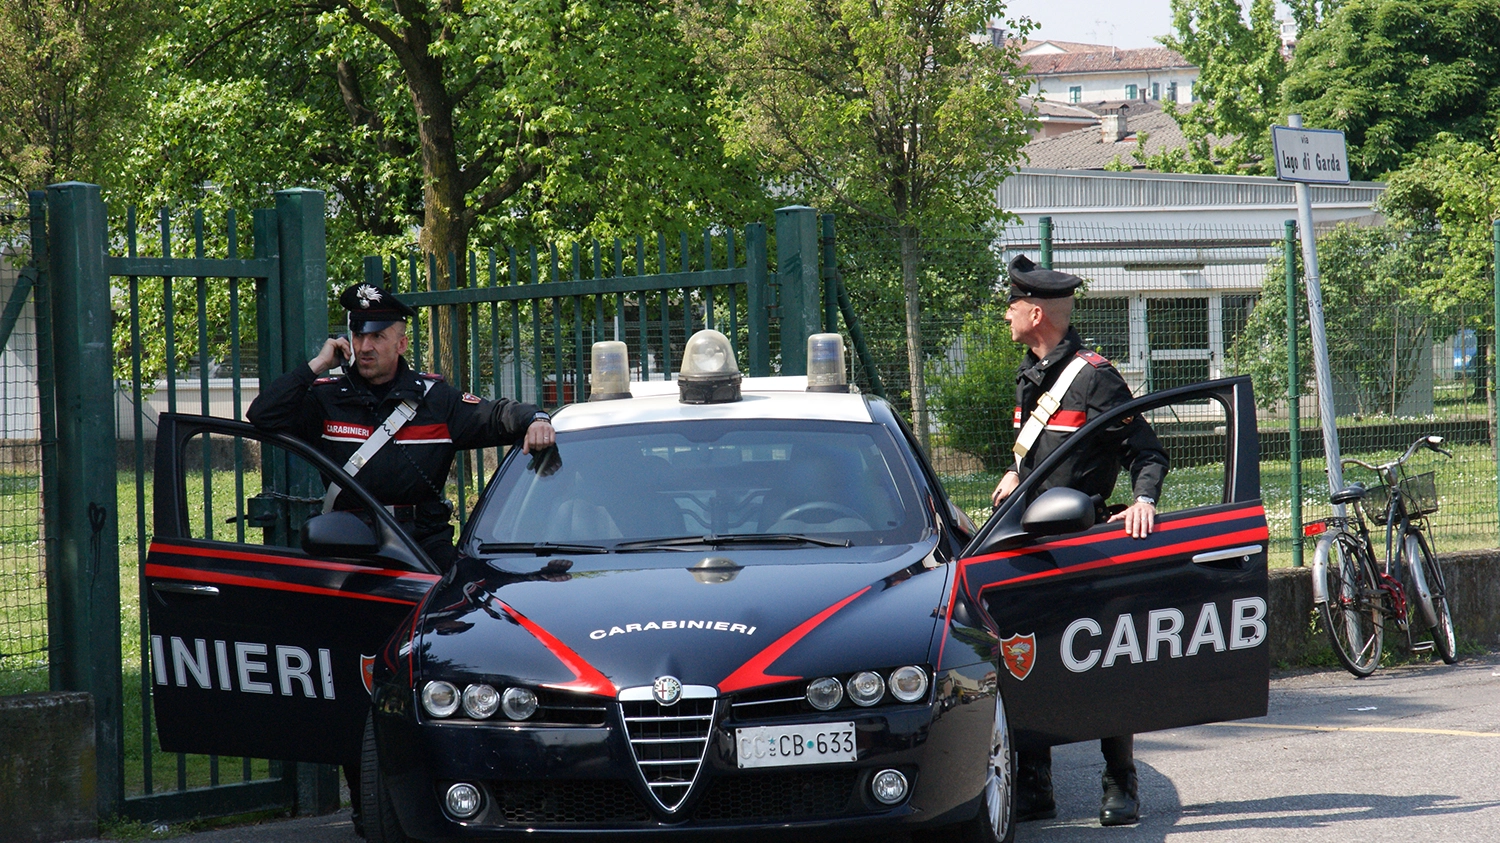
<point x="404" y="412"/>
<point x="1046" y="407"/>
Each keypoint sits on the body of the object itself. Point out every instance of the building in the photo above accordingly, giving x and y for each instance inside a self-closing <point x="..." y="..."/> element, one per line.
<point x="1115" y="135"/>
<point x="1073" y="73"/>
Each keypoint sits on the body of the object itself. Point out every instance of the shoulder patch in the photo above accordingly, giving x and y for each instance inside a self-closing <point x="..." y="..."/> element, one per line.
<point x="326" y="380"/>
<point x="1094" y="359"/>
<point x="469" y="398"/>
<point x="432" y="376"/>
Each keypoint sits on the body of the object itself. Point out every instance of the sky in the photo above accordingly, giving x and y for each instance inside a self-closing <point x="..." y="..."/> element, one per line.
<point x="1120" y="23"/>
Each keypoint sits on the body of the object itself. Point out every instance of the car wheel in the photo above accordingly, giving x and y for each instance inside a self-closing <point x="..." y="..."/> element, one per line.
<point x="381" y="825"/>
<point x="996" y="820"/>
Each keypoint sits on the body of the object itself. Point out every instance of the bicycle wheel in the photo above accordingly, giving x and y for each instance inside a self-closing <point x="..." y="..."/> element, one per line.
<point x="1351" y="610"/>
<point x="1421" y="558"/>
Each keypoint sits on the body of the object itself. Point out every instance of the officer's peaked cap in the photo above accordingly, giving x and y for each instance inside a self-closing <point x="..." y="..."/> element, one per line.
<point x="1027" y="280"/>
<point x="372" y="308"/>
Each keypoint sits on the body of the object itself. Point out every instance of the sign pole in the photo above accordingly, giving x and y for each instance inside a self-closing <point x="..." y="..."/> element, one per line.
<point x="1315" y="322"/>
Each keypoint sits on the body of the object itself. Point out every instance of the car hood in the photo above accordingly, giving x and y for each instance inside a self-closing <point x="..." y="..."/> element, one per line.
<point x="639" y="616"/>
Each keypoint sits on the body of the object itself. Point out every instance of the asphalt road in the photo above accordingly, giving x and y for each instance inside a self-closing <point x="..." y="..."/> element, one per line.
<point x="1409" y="754"/>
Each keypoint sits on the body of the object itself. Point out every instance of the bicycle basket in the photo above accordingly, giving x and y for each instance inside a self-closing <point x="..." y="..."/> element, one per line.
<point x="1421" y="493"/>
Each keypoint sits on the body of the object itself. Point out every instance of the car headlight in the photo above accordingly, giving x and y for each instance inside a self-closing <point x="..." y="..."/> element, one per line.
<point x="480" y="701"/>
<point x="518" y="703"/>
<point x="825" y="693"/>
<point x="909" y="684"/>
<point x="866" y="688"/>
<point x="440" y="699"/>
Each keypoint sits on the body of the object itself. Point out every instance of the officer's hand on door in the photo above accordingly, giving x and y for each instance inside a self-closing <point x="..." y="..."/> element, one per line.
<point x="1139" y="518"/>
<point x="1007" y="484"/>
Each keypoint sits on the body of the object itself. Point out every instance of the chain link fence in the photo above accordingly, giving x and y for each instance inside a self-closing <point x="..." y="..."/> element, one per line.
<point x="23" y="589"/>
<point x="1175" y="306"/>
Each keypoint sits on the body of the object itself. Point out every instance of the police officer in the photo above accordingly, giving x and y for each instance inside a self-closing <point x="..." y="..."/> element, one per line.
<point x="341" y="414"/>
<point x="1040" y="313"/>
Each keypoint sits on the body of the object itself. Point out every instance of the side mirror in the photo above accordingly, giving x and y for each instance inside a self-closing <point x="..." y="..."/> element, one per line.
<point x="1057" y="511"/>
<point x="338" y="534"/>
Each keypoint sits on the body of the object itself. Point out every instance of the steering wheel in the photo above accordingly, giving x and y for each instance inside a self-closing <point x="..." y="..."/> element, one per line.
<point x="837" y="510"/>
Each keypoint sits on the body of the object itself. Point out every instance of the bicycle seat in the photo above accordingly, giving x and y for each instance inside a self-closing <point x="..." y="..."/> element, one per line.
<point x="1349" y="494"/>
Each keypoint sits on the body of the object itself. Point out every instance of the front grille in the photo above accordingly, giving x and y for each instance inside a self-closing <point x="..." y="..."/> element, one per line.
<point x="567" y="709"/>
<point x="549" y="802"/>
<point x="781" y="796"/>
<point x="668" y="743"/>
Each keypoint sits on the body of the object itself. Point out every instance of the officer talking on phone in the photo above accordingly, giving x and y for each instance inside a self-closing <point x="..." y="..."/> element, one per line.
<point x="394" y="427"/>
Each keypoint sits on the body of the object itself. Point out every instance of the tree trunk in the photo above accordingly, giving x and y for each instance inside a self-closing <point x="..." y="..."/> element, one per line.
<point x="445" y="219"/>
<point x="910" y="283"/>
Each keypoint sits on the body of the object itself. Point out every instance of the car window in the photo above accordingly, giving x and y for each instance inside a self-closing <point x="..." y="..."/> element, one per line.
<point x="1192" y="433"/>
<point x="240" y="489"/>
<point x="721" y="477"/>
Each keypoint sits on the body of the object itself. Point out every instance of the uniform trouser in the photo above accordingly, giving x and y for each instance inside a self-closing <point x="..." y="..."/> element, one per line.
<point x="1035" y="765"/>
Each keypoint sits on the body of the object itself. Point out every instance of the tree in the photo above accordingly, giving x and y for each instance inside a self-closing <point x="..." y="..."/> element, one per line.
<point x="1394" y="74"/>
<point x="491" y="117"/>
<point x="1238" y="91"/>
<point x="891" y="111"/>
<point x="67" y="85"/>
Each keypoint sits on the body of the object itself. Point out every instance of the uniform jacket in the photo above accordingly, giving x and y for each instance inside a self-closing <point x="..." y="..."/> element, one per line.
<point x="1130" y="441"/>
<point x="337" y="415"/>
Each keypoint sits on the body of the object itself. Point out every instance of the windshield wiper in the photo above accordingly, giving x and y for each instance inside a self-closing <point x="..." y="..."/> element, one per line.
<point x="732" y="538"/>
<point x="540" y="548"/>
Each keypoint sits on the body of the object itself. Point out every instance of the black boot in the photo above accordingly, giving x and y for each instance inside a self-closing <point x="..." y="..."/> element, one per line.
<point x="351" y="777"/>
<point x="1120" y="804"/>
<point x="1034" y="800"/>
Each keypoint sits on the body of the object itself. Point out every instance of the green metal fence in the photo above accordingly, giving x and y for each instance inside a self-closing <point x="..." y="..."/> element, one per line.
<point x="1176" y="305"/>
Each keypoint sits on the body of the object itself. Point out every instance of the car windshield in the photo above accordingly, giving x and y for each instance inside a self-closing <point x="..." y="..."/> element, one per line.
<point x="621" y="487"/>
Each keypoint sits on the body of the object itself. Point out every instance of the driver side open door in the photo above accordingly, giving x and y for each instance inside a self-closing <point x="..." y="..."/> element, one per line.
<point x="259" y="648"/>
<point x="1102" y="634"/>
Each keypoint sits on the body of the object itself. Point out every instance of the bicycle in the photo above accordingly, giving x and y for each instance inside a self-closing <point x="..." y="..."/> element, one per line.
<point x="1354" y="596"/>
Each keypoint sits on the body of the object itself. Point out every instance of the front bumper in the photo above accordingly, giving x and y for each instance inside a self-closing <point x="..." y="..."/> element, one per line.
<point x="574" y="780"/>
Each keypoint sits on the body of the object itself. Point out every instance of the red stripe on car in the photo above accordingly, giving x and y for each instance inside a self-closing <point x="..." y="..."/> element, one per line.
<point x="169" y="548"/>
<point x="174" y="573"/>
<point x="586" y="677"/>
<point x="752" y="672"/>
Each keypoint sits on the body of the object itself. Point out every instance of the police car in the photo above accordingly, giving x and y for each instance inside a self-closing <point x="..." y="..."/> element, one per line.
<point x="720" y="604"/>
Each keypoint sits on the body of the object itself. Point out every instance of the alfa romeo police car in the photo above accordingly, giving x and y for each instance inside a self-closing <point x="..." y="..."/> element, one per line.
<point x="720" y="604"/>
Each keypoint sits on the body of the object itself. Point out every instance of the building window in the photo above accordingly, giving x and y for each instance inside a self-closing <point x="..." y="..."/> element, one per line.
<point x="1131" y="92"/>
<point x="1171" y="92"/>
<point x="1156" y="90"/>
<point x="1075" y="94"/>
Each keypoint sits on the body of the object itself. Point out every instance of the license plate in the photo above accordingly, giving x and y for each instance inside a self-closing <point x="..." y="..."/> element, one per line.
<point x="784" y="746"/>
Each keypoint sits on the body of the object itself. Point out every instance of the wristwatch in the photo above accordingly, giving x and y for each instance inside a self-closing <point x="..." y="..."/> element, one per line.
<point x="541" y="415"/>
<point x="1145" y="499"/>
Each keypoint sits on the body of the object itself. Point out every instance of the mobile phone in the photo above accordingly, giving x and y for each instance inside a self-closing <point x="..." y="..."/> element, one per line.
<point x="338" y="350"/>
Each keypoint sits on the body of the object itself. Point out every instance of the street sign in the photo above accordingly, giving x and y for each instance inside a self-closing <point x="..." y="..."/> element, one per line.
<point x="1315" y="156"/>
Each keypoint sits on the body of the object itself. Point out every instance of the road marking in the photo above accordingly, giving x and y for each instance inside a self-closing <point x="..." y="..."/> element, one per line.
<point x="1454" y="732"/>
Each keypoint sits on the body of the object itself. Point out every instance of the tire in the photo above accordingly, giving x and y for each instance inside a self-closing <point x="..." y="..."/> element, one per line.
<point x="995" y="822"/>
<point x="1435" y="611"/>
<point x="381" y="825"/>
<point x="1351" y="611"/>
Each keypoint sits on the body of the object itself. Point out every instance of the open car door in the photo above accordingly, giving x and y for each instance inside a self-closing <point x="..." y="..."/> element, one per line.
<point x="1102" y="634"/>
<point x="259" y="647"/>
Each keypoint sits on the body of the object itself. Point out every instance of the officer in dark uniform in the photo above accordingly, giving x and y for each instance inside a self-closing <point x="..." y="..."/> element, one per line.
<point x="1040" y="311"/>
<point x="407" y="474"/>
<point x="338" y="414"/>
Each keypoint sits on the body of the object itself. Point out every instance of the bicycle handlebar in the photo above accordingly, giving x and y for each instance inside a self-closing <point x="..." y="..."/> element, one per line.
<point x="1431" y="442"/>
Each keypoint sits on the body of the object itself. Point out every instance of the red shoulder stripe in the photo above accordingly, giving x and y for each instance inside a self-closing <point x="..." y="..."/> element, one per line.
<point x="1094" y="359"/>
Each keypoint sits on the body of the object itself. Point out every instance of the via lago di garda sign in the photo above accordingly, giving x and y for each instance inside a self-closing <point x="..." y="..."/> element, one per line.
<point x="1316" y="156"/>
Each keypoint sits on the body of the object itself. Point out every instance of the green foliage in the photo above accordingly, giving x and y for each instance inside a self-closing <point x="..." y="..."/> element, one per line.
<point x="68" y="87"/>
<point x="1238" y="90"/>
<point x="972" y="397"/>
<point x="1394" y="74"/>
<point x="1371" y="282"/>
<point x="1452" y="193"/>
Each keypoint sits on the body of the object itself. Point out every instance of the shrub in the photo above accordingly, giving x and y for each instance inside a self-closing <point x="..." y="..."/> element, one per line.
<point x="973" y="391"/>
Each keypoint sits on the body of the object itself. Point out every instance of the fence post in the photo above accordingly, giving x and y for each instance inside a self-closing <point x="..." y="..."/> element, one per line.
<point x="757" y="301"/>
<point x="1293" y="392"/>
<point x="303" y="327"/>
<point x="1044" y="242"/>
<point x="797" y="276"/>
<point x="830" y="277"/>
<point x="1495" y="365"/>
<point x="84" y="574"/>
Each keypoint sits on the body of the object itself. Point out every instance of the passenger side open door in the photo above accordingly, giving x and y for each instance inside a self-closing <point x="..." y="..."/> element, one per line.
<point x="1102" y="634"/>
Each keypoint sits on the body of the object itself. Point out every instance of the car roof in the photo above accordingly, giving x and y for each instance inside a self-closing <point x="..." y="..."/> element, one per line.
<point x="762" y="398"/>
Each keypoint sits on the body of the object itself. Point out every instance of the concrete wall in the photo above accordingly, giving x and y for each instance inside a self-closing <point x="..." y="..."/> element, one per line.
<point x="1474" y="599"/>
<point x="47" y="787"/>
